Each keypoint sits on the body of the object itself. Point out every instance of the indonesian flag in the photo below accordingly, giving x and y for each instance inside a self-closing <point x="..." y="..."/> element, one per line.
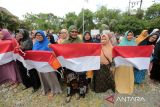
<point x="6" y="51"/>
<point x="137" y="56"/>
<point x="43" y="61"/>
<point x="78" y="57"/>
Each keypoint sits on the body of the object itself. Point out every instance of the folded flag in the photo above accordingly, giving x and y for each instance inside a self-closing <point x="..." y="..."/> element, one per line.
<point x="137" y="56"/>
<point x="78" y="57"/>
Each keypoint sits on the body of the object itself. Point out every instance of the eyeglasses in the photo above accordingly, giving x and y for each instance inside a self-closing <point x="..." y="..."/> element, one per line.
<point x="74" y="31"/>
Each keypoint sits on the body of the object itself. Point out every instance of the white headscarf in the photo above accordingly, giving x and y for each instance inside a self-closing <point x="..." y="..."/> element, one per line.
<point x="154" y="31"/>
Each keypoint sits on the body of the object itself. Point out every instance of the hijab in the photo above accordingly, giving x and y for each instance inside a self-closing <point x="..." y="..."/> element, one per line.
<point x="142" y="36"/>
<point x="147" y="42"/>
<point x="156" y="54"/>
<point x="6" y="34"/>
<point x="41" y="45"/>
<point x="106" y="51"/>
<point x="87" y="41"/>
<point x="154" y="31"/>
<point x="126" y="42"/>
<point x="52" y="41"/>
<point x="25" y="34"/>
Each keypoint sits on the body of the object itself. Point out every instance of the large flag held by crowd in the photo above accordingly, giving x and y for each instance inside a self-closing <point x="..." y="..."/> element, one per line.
<point x="77" y="57"/>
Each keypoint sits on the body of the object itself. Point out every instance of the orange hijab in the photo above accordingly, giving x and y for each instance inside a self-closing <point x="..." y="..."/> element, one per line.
<point x="142" y="36"/>
<point x="106" y="50"/>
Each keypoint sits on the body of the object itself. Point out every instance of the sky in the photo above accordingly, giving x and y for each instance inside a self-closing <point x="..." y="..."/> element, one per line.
<point x="62" y="7"/>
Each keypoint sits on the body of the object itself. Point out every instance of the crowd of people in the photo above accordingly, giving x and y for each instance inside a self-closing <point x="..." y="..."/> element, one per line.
<point x="78" y="83"/>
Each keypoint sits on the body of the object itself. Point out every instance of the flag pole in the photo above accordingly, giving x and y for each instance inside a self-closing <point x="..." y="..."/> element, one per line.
<point x="83" y="13"/>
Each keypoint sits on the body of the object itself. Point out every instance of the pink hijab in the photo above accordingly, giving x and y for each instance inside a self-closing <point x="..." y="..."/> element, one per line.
<point x="106" y="51"/>
<point x="6" y="34"/>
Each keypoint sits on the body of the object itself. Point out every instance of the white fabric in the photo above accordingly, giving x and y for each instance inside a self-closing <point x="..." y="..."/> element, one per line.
<point x="138" y="62"/>
<point x="81" y="63"/>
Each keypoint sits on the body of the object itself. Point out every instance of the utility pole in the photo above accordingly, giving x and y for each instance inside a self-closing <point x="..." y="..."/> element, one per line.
<point x="129" y="7"/>
<point x="83" y="13"/>
<point x="83" y="20"/>
<point x="141" y="4"/>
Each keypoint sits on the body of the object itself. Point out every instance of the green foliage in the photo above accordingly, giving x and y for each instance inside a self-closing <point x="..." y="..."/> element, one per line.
<point x="140" y="14"/>
<point x="130" y="23"/>
<point x="8" y="21"/>
<point x="102" y="19"/>
<point x="43" y="21"/>
<point x="70" y="19"/>
<point x="108" y="17"/>
<point x="88" y="20"/>
<point x="153" y="12"/>
<point x="155" y="23"/>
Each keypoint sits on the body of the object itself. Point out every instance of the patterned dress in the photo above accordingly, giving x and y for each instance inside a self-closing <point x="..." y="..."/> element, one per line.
<point x="103" y="79"/>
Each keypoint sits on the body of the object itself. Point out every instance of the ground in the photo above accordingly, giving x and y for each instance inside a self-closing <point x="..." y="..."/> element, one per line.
<point x="148" y="92"/>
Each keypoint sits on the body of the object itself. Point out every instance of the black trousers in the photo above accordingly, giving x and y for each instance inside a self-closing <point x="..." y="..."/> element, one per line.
<point x="31" y="80"/>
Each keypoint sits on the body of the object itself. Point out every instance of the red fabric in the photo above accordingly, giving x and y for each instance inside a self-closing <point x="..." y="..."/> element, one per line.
<point x="76" y="50"/>
<point x="132" y="51"/>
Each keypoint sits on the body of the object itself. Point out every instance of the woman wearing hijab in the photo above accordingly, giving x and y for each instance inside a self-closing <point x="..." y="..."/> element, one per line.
<point x="142" y="36"/>
<point x="51" y="38"/>
<point x="154" y="31"/>
<point x="128" y="39"/>
<point x="124" y="76"/>
<point x="9" y="72"/>
<point x="63" y="36"/>
<point x="103" y="78"/>
<point x="87" y="38"/>
<point x="150" y="40"/>
<point x="139" y="75"/>
<point x="25" y="43"/>
<point x="48" y="80"/>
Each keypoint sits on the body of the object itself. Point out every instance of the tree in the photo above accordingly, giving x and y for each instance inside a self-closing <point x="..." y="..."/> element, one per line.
<point x="130" y="23"/>
<point x="70" y="19"/>
<point x="106" y="16"/>
<point x="154" y="23"/>
<point x="153" y="12"/>
<point x="140" y="14"/>
<point x="8" y="20"/>
<point x="43" y="21"/>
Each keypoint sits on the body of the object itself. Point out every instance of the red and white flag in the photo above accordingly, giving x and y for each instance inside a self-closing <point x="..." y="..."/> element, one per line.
<point x="137" y="56"/>
<point x="43" y="61"/>
<point x="78" y="57"/>
<point x="40" y="60"/>
<point x="6" y="51"/>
